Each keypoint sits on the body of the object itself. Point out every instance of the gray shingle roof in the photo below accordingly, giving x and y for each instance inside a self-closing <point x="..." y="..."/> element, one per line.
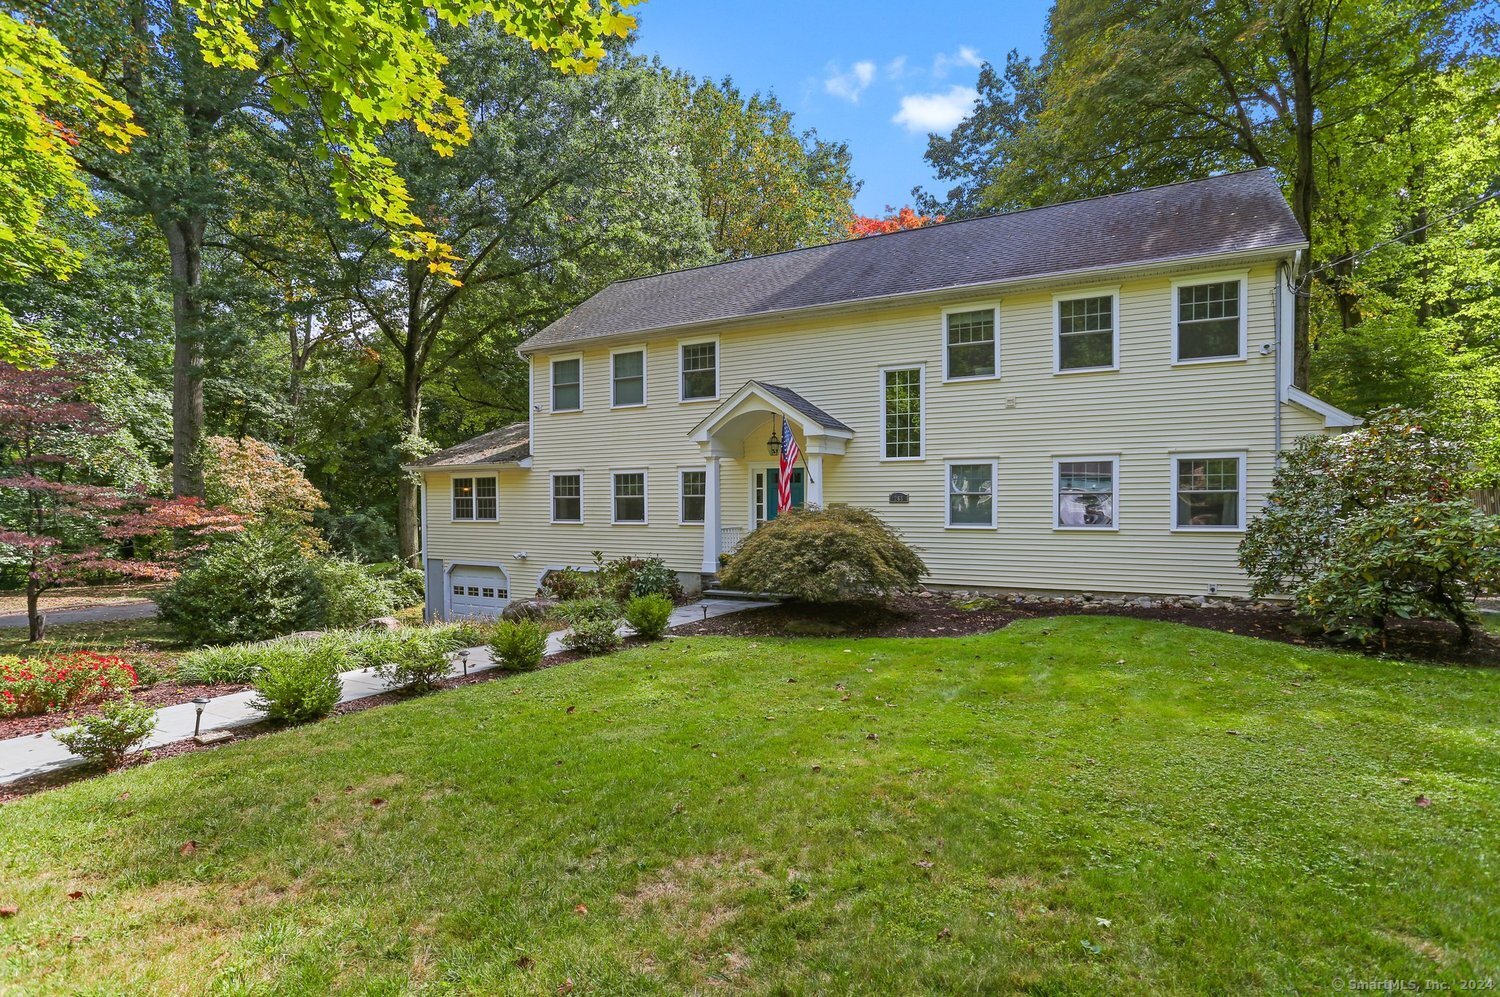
<point x="802" y="405"/>
<point x="1237" y="212"/>
<point x="506" y="445"/>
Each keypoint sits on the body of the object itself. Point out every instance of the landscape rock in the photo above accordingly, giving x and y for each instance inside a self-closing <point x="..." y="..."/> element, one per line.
<point x="527" y="609"/>
<point x="386" y="623"/>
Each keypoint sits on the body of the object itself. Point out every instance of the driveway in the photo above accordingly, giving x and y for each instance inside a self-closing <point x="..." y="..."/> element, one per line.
<point x="141" y="610"/>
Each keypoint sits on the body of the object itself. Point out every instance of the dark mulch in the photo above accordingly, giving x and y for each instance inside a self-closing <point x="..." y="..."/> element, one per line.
<point x="944" y="615"/>
<point x="161" y="694"/>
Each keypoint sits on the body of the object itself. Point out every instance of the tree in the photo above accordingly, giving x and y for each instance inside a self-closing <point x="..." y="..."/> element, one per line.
<point x="893" y="221"/>
<point x="764" y="187"/>
<point x="249" y="478"/>
<point x="66" y="530"/>
<point x="1374" y="523"/>
<point x="839" y="554"/>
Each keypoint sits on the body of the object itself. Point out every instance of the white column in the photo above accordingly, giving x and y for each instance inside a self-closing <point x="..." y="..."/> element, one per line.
<point x="711" y="517"/>
<point x="815" y="485"/>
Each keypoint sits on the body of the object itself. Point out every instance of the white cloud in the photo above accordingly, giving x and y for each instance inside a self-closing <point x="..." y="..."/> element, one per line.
<point x="848" y="86"/>
<point x="965" y="56"/>
<point x="935" y="112"/>
<point x="896" y="68"/>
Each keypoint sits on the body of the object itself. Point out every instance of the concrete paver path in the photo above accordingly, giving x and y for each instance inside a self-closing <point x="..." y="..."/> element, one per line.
<point x="35" y="754"/>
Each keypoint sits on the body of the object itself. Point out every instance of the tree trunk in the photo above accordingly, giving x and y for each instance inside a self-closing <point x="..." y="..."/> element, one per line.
<point x="409" y="496"/>
<point x="36" y="620"/>
<point x="1296" y="41"/>
<point x="185" y="244"/>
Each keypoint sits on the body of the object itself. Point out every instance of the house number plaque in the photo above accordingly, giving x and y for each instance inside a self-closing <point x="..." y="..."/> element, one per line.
<point x="899" y="498"/>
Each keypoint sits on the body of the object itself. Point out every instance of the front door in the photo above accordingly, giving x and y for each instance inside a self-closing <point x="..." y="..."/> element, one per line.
<point x="772" y="490"/>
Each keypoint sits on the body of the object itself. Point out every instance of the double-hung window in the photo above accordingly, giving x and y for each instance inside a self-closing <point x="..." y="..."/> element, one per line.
<point x="628" y="378"/>
<point x="567" y="385"/>
<point x="971" y="495"/>
<point x="971" y="345"/>
<point x="1209" y="320"/>
<point x="694" y="496"/>
<point x="1086" y="494"/>
<point x="630" y="496"/>
<point x="1087" y="328"/>
<point x="1210" y="492"/>
<point x="700" y="370"/>
<point x="567" y="498"/>
<point x="901" y="413"/>
<point x="475" y="499"/>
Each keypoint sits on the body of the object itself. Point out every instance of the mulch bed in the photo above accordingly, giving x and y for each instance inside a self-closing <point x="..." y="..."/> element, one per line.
<point x="936" y="614"/>
<point x="159" y="695"/>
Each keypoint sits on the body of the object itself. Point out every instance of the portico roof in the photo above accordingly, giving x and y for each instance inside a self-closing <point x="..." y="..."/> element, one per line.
<point x="756" y="398"/>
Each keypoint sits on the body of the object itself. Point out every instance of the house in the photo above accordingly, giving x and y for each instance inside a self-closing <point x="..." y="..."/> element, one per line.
<point x="1089" y="396"/>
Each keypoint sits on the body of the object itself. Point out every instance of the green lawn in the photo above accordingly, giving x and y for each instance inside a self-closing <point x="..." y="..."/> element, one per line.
<point x="148" y="639"/>
<point x="1068" y="805"/>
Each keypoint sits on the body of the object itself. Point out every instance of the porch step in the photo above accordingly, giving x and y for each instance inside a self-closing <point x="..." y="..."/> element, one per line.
<point x="715" y="593"/>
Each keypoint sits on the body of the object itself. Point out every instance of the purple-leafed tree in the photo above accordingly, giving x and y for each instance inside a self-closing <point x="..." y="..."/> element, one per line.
<point x="63" y="528"/>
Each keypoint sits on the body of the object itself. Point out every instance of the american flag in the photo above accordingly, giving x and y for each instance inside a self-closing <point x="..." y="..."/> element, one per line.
<point x="790" y="454"/>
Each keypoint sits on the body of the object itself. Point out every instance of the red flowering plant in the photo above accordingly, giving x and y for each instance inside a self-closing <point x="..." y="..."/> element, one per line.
<point x="34" y="685"/>
<point x="64" y="529"/>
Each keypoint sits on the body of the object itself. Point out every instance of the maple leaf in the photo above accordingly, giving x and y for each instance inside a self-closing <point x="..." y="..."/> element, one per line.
<point x="187" y="847"/>
<point x="75" y="895"/>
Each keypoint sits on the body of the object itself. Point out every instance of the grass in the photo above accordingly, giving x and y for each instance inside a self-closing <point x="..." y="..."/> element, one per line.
<point x="148" y="639"/>
<point x="1067" y="805"/>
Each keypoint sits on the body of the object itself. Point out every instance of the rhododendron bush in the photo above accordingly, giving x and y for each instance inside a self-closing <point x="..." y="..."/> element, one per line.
<point x="35" y="685"/>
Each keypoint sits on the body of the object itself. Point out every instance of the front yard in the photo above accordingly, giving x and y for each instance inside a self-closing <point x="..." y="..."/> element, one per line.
<point x="1070" y="804"/>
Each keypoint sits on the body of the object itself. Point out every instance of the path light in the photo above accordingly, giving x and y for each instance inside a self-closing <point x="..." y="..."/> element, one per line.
<point x="463" y="656"/>
<point x="705" y="612"/>
<point x="200" y="703"/>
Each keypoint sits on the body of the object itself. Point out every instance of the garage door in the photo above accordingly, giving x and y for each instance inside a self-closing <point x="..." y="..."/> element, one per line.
<point x="477" y="593"/>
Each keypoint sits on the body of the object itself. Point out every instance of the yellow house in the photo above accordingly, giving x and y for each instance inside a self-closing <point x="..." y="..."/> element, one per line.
<point x="1088" y="397"/>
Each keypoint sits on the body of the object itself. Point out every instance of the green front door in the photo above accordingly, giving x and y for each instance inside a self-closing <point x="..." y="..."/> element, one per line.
<point x="773" y="481"/>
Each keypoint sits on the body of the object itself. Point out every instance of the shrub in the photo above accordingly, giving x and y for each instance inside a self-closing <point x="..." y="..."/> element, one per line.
<point x="249" y="586"/>
<point x="299" y="680"/>
<point x="362" y="535"/>
<point x="648" y="615"/>
<point x="653" y="577"/>
<point x="590" y="610"/>
<point x="231" y="665"/>
<point x="351" y="593"/>
<point x="30" y="685"/>
<point x="592" y="637"/>
<point x="518" y="646"/>
<point x="107" y="737"/>
<point x="408" y="585"/>
<point x="1375" y="523"/>
<point x="564" y="584"/>
<point x="840" y="554"/>
<point x="418" y="660"/>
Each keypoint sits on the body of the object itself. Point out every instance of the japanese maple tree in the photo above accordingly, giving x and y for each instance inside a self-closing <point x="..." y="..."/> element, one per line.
<point x="63" y="528"/>
<point x="894" y="220"/>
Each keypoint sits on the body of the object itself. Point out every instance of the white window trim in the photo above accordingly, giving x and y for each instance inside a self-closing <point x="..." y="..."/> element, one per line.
<point x="718" y="369"/>
<point x="921" y="370"/>
<point x="948" y="494"/>
<point x="990" y="306"/>
<point x="454" y="517"/>
<point x="645" y="496"/>
<point x="552" y="498"/>
<point x="1114" y="462"/>
<point x="1207" y="455"/>
<point x="682" y="497"/>
<point x="1087" y="292"/>
<point x="645" y="376"/>
<point x="552" y="363"/>
<point x="1243" y="276"/>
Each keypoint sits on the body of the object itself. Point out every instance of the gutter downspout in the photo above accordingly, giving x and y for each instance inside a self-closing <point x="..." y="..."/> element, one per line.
<point x="1281" y="274"/>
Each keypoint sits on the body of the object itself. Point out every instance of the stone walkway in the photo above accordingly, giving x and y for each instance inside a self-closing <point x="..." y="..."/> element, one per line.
<point x="36" y="754"/>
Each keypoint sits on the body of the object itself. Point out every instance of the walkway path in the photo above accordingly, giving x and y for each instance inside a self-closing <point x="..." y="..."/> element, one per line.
<point x="35" y="754"/>
<point x="110" y="613"/>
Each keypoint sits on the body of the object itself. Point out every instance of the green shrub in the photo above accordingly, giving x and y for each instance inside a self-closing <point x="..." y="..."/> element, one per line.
<point x="43" y="685"/>
<point x="653" y="577"/>
<point x="564" y="584"/>
<point x="233" y="664"/>
<point x="407" y="584"/>
<point x="1375" y="523"/>
<point x="352" y="593"/>
<point x="249" y="586"/>
<point x="648" y="615"/>
<point x="299" y="680"/>
<point x="418" y="660"/>
<point x="592" y="636"/>
<point x="519" y="645"/>
<point x="107" y="737"/>
<point x="834" y="555"/>
<point x="590" y="610"/>
<point x="362" y="535"/>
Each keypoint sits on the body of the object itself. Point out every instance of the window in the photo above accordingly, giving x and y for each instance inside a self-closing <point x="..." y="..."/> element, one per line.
<point x="474" y="498"/>
<point x="629" y="378"/>
<point x="1209" y="492"/>
<point x="630" y="496"/>
<point x="567" y="385"/>
<point x="1086" y="494"/>
<point x="700" y="371"/>
<point x="1209" y="321"/>
<point x="1086" y="333"/>
<point x="971" y="494"/>
<point x="694" y="496"/>
<point x="901" y="412"/>
<point x="971" y="344"/>
<point x="567" y="498"/>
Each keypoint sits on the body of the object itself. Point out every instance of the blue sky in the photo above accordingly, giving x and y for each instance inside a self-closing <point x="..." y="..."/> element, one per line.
<point x="878" y="74"/>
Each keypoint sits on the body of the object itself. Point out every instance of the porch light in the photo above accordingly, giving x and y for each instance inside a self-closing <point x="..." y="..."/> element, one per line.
<point x="773" y="444"/>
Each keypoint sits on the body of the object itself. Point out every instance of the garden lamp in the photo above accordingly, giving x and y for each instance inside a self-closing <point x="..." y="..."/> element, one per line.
<point x="200" y="703"/>
<point x="463" y="656"/>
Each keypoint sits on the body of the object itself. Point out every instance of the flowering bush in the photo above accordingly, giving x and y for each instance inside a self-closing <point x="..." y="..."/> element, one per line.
<point x="29" y="685"/>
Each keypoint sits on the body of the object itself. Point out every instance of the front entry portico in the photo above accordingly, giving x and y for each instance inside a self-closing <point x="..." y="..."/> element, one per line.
<point x="723" y="435"/>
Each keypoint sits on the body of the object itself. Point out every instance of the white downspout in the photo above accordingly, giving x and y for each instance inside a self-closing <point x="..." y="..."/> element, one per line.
<point x="1282" y="273"/>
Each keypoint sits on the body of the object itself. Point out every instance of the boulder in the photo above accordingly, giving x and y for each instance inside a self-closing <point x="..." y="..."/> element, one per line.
<point x="386" y="623"/>
<point x="527" y="609"/>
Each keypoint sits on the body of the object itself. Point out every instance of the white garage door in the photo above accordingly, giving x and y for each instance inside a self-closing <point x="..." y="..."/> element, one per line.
<point x="477" y="593"/>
